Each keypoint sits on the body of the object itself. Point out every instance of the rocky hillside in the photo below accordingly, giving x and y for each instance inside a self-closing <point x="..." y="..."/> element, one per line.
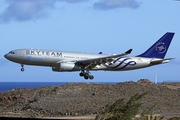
<point x="76" y="99"/>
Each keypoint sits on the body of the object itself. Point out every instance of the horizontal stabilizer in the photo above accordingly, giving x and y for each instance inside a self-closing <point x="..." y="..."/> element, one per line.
<point x="154" y="62"/>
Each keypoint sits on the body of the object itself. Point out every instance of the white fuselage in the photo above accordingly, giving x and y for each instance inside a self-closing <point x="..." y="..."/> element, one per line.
<point x="62" y="61"/>
<point x="51" y="58"/>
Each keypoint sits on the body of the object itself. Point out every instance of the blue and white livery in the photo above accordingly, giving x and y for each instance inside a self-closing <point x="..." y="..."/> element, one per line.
<point x="63" y="61"/>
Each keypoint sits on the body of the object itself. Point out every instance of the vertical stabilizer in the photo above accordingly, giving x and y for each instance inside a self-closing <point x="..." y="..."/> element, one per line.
<point x="159" y="49"/>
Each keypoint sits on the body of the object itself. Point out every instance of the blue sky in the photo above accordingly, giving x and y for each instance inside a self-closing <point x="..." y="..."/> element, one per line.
<point x="110" y="26"/>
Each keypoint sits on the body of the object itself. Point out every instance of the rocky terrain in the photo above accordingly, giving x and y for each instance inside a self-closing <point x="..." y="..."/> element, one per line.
<point x="80" y="99"/>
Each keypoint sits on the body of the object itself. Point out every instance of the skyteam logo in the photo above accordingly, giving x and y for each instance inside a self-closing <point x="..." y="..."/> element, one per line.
<point x="161" y="47"/>
<point x="121" y="63"/>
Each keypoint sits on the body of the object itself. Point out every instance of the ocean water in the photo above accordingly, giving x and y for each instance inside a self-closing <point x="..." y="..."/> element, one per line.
<point x="7" y="86"/>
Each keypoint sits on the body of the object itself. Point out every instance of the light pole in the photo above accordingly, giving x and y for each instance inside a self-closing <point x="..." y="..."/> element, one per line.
<point x="156" y="78"/>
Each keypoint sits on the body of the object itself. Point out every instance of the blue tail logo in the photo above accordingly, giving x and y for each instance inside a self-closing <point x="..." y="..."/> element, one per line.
<point x="159" y="49"/>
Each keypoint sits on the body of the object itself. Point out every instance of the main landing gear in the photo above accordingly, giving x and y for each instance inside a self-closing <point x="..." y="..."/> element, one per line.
<point x="86" y="75"/>
<point x="22" y="67"/>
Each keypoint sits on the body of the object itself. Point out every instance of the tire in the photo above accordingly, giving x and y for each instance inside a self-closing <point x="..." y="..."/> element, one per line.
<point x="22" y="69"/>
<point x="86" y="77"/>
<point x="91" y="77"/>
<point x="81" y="74"/>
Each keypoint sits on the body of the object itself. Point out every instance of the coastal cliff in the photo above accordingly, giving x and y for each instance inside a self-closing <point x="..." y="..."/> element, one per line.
<point x="80" y="99"/>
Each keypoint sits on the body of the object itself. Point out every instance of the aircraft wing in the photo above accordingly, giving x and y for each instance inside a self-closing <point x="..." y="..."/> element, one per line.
<point x="91" y="63"/>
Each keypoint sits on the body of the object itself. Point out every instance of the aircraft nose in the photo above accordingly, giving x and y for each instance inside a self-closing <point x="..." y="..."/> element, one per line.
<point x="6" y="56"/>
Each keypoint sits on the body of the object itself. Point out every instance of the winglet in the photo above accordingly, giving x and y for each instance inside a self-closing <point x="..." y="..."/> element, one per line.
<point x="129" y="51"/>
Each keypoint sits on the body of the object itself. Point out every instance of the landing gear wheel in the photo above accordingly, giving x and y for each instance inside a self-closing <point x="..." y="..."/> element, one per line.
<point x="22" y="69"/>
<point x="81" y="74"/>
<point x="86" y="74"/>
<point x="91" y="77"/>
<point x="85" y="77"/>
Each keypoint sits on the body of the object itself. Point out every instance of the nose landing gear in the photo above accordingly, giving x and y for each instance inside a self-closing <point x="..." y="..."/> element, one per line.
<point x="22" y="67"/>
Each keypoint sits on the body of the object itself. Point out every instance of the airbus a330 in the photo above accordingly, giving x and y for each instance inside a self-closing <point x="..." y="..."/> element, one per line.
<point x="64" y="61"/>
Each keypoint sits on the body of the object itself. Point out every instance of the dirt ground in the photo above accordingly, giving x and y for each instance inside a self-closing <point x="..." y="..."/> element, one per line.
<point x="84" y="99"/>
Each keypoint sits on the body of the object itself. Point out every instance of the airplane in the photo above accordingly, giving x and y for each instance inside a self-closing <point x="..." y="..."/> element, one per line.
<point x="64" y="61"/>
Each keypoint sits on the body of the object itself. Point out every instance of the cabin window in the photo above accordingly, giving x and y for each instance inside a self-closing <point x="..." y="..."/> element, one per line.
<point x="11" y="52"/>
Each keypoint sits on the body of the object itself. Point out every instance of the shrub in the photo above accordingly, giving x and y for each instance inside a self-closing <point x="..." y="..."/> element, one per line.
<point x="122" y="110"/>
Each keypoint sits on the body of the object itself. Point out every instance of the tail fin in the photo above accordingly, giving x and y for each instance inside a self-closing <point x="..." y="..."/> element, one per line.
<point x="159" y="49"/>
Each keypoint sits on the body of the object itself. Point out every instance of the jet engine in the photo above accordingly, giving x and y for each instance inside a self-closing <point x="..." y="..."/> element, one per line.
<point x="63" y="67"/>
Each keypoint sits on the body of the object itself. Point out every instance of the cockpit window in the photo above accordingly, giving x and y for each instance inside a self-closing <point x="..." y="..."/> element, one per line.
<point x="11" y="52"/>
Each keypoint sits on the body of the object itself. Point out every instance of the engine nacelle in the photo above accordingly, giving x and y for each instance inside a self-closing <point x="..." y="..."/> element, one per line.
<point x="66" y="67"/>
